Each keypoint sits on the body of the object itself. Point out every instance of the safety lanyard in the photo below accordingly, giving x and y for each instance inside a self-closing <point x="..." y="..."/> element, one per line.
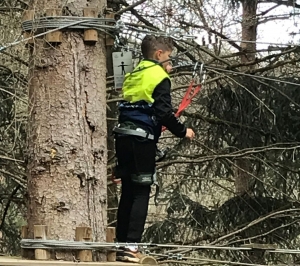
<point x="191" y="92"/>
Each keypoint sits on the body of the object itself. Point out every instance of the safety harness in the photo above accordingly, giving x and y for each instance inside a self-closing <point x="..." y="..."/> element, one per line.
<point x="191" y="92"/>
<point x="138" y="132"/>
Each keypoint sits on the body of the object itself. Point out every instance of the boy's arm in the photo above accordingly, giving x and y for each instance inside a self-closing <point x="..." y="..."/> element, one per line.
<point x="164" y="111"/>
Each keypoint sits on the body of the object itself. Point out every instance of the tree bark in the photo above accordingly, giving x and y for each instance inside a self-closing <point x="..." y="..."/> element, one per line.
<point x="243" y="180"/>
<point x="249" y="30"/>
<point x="67" y="152"/>
<point x="249" y="33"/>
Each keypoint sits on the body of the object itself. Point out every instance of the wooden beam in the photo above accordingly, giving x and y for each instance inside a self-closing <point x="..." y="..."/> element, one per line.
<point x="90" y="35"/>
<point x="55" y="36"/>
<point x="28" y="15"/>
<point x="110" y="238"/>
<point x="24" y="235"/>
<point x="84" y="234"/>
<point x="10" y="261"/>
<point x="40" y="232"/>
<point x="109" y="40"/>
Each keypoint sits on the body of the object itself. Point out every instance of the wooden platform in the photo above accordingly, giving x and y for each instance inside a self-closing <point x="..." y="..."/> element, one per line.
<point x="10" y="261"/>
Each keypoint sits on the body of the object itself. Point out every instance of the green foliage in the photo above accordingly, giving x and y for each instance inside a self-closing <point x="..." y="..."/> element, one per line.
<point x="12" y="146"/>
<point x="263" y="129"/>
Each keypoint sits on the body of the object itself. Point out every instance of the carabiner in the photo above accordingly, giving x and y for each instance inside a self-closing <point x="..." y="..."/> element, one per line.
<point x="202" y="74"/>
<point x="195" y="68"/>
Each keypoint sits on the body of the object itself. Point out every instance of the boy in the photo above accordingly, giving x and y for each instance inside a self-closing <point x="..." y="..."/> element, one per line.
<point x="145" y="109"/>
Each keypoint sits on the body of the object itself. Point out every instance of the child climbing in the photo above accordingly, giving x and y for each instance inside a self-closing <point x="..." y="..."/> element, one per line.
<point x="145" y="109"/>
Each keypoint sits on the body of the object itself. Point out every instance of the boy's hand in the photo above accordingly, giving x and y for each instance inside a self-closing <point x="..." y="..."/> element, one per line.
<point x="189" y="133"/>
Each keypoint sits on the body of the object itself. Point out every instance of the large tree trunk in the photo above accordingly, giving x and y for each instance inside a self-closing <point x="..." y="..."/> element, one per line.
<point x="249" y="33"/>
<point x="67" y="152"/>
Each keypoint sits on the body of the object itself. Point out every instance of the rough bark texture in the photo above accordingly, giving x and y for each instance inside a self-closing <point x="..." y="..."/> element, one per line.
<point x="243" y="181"/>
<point x="67" y="152"/>
<point x="249" y="30"/>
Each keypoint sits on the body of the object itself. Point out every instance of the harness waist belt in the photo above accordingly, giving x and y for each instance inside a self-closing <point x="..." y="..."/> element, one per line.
<point x="138" y="133"/>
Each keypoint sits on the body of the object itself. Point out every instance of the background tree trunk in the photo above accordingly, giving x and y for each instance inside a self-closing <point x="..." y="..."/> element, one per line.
<point x="249" y="33"/>
<point x="249" y="30"/>
<point x="67" y="153"/>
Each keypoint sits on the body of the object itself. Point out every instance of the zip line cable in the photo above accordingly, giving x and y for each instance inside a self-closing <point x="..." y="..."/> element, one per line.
<point x="39" y="35"/>
<point x="252" y="76"/>
<point x="237" y="73"/>
<point x="64" y="244"/>
<point x="259" y="42"/>
<point x="120" y="26"/>
<point x="59" y="23"/>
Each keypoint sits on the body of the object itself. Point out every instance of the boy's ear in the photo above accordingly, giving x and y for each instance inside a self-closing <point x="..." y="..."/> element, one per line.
<point x="158" y="54"/>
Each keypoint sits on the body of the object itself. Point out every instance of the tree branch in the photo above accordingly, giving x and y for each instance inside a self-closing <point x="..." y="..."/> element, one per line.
<point x="130" y="7"/>
<point x="284" y="3"/>
<point x="7" y="206"/>
<point x="217" y="121"/>
<point x="244" y="153"/>
<point x="214" y="32"/>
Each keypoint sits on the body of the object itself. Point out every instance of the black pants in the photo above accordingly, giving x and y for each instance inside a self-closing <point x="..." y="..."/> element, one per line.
<point x="134" y="155"/>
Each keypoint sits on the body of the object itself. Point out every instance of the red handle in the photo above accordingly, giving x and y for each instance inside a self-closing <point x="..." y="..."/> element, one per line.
<point x="187" y="99"/>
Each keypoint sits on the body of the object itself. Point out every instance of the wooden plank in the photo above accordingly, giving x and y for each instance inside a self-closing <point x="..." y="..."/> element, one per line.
<point x="109" y="40"/>
<point x="8" y="261"/>
<point x="24" y="235"/>
<point x="84" y="234"/>
<point x="90" y="35"/>
<point x="28" y="15"/>
<point x="110" y="238"/>
<point x="55" y="36"/>
<point x="40" y="232"/>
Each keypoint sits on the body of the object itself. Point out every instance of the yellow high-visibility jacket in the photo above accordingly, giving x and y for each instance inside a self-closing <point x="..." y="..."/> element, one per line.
<point x="140" y="84"/>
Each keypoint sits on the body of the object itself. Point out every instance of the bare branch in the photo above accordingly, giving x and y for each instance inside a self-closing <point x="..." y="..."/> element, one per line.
<point x="130" y="7"/>
<point x="291" y="3"/>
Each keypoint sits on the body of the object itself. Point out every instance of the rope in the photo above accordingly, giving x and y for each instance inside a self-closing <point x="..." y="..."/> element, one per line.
<point x="62" y="244"/>
<point x="62" y="22"/>
<point x="48" y="244"/>
<point x="252" y="76"/>
<point x="38" y="35"/>
<point x="81" y="245"/>
<point x="178" y="258"/>
<point x="191" y="64"/>
<point x="258" y="42"/>
<point x="66" y="22"/>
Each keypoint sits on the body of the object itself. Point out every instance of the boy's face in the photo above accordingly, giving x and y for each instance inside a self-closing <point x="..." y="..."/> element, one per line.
<point x="164" y="56"/>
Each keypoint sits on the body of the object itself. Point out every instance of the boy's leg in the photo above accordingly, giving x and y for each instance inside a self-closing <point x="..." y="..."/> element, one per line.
<point x="124" y="210"/>
<point x="138" y="215"/>
<point x="133" y="207"/>
<point x="144" y="157"/>
<point x="124" y="154"/>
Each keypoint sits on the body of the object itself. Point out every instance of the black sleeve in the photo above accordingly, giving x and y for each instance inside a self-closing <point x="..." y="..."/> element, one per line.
<point x="163" y="109"/>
